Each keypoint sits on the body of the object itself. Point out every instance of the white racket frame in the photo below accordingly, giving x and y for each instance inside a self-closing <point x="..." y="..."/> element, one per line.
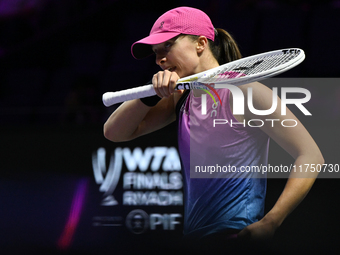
<point x="196" y="81"/>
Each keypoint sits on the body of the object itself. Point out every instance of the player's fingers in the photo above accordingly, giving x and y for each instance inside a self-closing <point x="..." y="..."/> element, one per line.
<point x="164" y="83"/>
<point x="161" y="83"/>
<point x="164" y="86"/>
<point x="172" y="83"/>
<point x="156" y="79"/>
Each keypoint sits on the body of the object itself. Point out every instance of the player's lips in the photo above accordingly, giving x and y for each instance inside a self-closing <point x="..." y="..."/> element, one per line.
<point x="171" y="69"/>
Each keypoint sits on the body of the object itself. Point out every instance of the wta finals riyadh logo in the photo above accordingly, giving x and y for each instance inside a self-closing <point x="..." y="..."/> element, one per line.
<point x="108" y="178"/>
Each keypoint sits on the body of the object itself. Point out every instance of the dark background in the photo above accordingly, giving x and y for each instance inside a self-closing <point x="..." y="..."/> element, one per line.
<point x="58" y="57"/>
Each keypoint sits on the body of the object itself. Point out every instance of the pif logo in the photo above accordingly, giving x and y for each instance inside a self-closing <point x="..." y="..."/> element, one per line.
<point x="138" y="221"/>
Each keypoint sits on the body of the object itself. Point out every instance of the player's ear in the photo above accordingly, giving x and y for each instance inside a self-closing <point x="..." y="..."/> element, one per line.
<point x="202" y="43"/>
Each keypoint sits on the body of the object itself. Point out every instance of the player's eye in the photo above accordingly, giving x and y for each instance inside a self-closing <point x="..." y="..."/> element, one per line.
<point x="167" y="46"/>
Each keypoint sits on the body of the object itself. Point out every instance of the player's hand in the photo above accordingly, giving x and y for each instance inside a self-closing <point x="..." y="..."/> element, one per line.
<point x="164" y="83"/>
<point x="258" y="231"/>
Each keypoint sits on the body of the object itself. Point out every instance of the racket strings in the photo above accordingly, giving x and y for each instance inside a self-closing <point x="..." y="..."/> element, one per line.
<point x="252" y="67"/>
<point x="267" y="63"/>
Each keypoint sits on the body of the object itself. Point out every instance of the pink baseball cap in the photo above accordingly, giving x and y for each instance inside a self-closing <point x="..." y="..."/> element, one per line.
<point x="181" y="20"/>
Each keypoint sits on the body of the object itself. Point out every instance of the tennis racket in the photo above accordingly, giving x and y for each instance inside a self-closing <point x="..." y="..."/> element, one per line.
<point x="238" y="72"/>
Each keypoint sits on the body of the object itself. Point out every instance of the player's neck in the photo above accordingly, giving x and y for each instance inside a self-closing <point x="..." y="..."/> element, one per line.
<point x="207" y="61"/>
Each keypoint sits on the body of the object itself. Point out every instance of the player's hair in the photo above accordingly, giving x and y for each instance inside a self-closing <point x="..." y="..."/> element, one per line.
<point x="224" y="48"/>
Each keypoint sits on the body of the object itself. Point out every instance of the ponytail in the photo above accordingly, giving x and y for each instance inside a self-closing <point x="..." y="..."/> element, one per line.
<point x="224" y="48"/>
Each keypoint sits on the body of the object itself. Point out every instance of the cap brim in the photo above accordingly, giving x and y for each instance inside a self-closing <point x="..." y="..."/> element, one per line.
<point x="142" y="49"/>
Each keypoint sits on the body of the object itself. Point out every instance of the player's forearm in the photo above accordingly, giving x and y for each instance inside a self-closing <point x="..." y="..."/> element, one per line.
<point x="124" y="121"/>
<point x="296" y="189"/>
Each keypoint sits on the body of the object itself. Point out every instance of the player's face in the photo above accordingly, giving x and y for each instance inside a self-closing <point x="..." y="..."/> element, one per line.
<point x="178" y="55"/>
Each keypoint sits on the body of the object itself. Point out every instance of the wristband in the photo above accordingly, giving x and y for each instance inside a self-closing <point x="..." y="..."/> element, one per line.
<point x="150" y="101"/>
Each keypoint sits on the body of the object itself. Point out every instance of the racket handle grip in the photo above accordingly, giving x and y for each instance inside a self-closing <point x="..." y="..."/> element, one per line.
<point x="111" y="98"/>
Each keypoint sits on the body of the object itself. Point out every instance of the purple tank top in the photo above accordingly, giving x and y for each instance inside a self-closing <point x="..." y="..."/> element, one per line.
<point x="219" y="201"/>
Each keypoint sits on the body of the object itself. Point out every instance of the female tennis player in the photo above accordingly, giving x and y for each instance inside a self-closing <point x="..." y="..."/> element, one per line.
<point x="185" y="42"/>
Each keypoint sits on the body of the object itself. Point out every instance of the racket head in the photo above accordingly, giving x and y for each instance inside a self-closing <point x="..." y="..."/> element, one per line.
<point x="249" y="69"/>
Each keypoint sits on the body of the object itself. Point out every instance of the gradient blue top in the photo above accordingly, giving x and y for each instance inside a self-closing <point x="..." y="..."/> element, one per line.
<point x="221" y="201"/>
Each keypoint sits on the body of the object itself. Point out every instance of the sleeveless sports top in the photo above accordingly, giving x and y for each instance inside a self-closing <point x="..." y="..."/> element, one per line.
<point x="219" y="202"/>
